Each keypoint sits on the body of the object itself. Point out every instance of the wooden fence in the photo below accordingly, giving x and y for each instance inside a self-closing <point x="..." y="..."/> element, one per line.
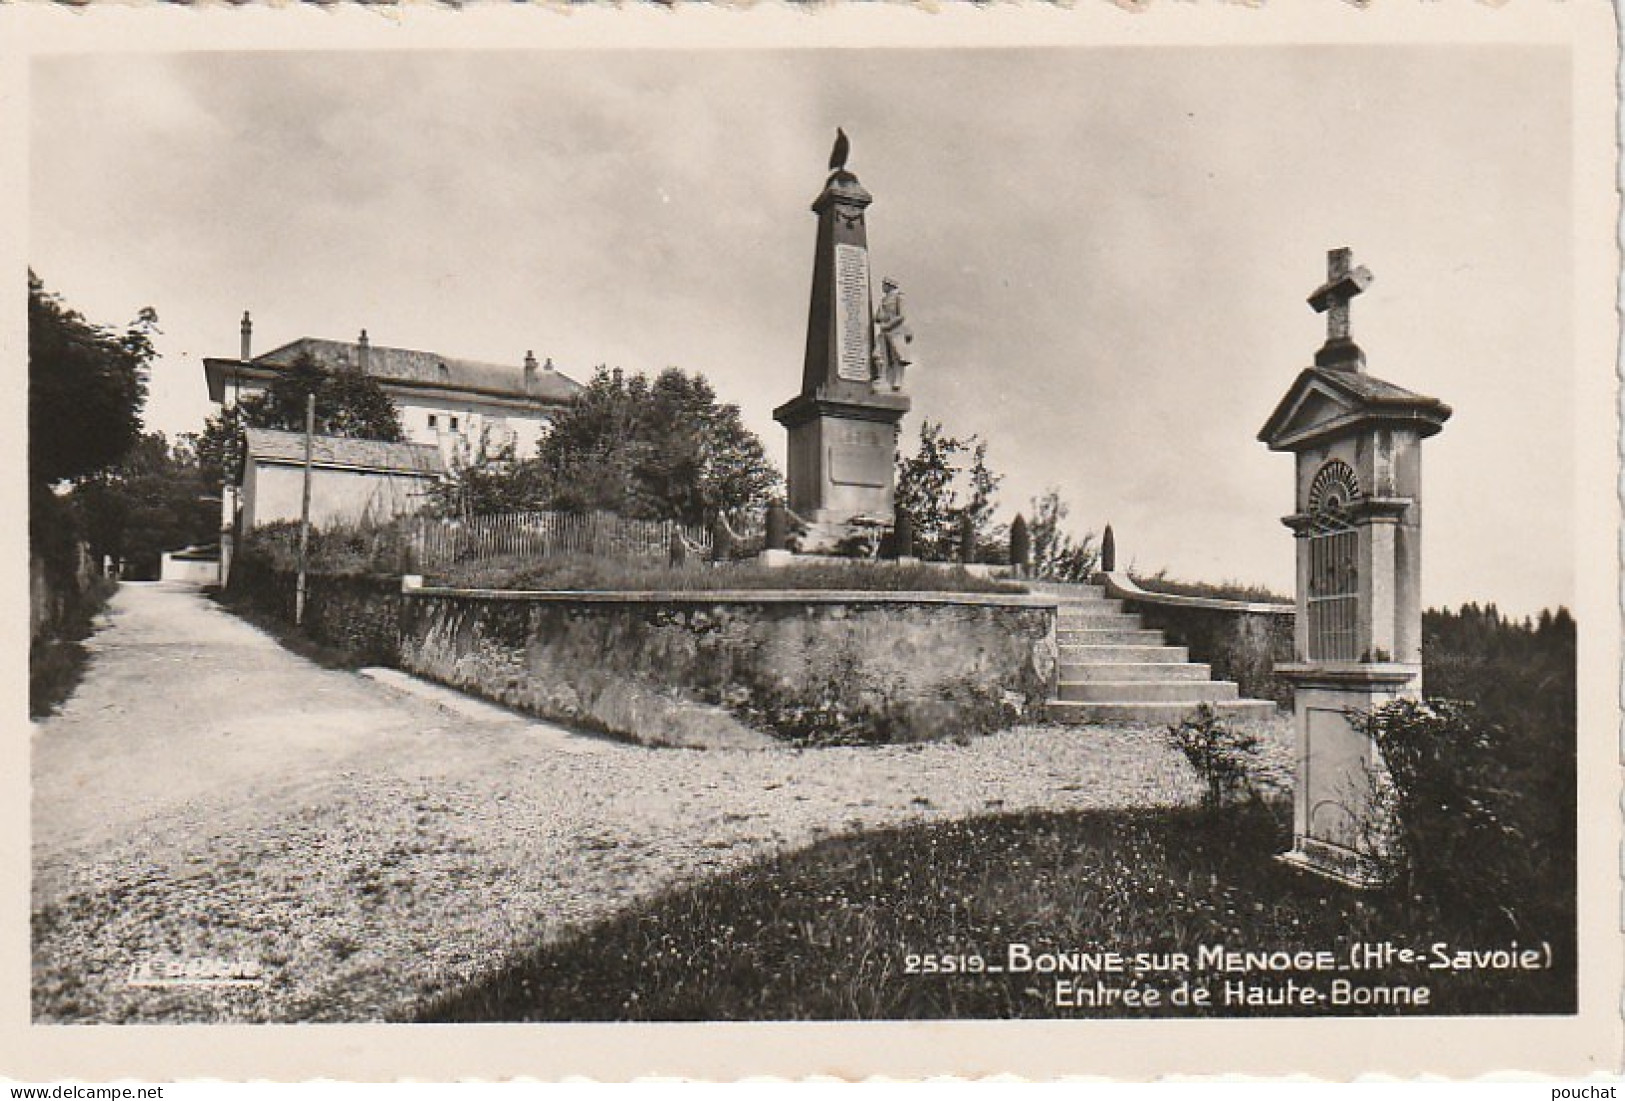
<point x="438" y="542"/>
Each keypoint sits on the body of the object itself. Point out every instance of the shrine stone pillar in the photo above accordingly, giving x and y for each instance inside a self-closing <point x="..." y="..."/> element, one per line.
<point x="842" y="427"/>
<point x="1357" y="521"/>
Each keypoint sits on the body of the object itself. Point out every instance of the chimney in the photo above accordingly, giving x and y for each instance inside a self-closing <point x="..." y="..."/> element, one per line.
<point x="548" y="366"/>
<point x="247" y="352"/>
<point x="530" y="371"/>
<point x="363" y="355"/>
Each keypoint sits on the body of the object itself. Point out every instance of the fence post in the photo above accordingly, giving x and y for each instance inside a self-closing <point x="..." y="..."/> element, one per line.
<point x="903" y="535"/>
<point x="967" y="540"/>
<point x="776" y="535"/>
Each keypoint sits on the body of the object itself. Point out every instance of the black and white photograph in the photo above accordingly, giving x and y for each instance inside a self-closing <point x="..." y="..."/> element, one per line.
<point x="847" y="532"/>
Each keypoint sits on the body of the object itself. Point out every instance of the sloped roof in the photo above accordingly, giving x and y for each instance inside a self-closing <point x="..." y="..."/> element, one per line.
<point x="271" y="445"/>
<point x="412" y="367"/>
<point x="1350" y="397"/>
<point x="1369" y="387"/>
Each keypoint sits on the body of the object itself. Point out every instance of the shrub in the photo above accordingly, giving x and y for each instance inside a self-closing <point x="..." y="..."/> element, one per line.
<point x="1466" y="836"/>
<point x="1226" y="759"/>
<point x="343" y="550"/>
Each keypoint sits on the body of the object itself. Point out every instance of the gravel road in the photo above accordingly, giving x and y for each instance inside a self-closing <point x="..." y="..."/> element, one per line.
<point x="207" y="795"/>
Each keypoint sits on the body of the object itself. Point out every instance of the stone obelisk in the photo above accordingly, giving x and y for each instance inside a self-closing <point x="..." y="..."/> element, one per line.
<point x="842" y="428"/>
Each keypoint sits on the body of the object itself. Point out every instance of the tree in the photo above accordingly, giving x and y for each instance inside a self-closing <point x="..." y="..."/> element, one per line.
<point x="943" y="486"/>
<point x="219" y="446"/>
<point x="348" y="403"/>
<point x="700" y="460"/>
<point x="492" y="480"/>
<point x="591" y="453"/>
<point x="155" y="500"/>
<point x="86" y="388"/>
<point x="1056" y="556"/>
<point x="661" y="450"/>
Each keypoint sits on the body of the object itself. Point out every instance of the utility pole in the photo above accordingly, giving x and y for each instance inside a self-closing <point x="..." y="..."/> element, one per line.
<point x="304" y="511"/>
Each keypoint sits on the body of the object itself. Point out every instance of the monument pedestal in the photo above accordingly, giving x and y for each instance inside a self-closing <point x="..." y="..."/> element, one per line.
<point x="842" y="451"/>
<point x="1338" y="824"/>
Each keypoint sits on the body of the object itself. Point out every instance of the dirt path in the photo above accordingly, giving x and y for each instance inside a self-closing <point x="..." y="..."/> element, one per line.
<point x="208" y="795"/>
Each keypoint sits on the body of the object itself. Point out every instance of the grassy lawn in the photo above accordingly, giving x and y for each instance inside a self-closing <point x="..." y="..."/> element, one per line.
<point x="827" y="932"/>
<point x="580" y="572"/>
<point x="1160" y="582"/>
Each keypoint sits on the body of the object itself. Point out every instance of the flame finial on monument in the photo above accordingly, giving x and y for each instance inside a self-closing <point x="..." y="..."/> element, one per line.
<point x="837" y="155"/>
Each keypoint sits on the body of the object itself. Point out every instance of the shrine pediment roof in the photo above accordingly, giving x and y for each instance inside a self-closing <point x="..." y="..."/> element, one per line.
<point x="1327" y="401"/>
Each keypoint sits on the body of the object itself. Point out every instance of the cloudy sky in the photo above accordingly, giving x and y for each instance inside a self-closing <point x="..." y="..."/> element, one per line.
<point x="1105" y="252"/>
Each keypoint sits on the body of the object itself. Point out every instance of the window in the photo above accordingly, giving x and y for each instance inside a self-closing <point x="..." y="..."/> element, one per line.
<point x="454" y="424"/>
<point x="433" y="420"/>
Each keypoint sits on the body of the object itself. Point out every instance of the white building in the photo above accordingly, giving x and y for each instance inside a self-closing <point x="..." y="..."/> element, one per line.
<point x="454" y="404"/>
<point x="352" y="481"/>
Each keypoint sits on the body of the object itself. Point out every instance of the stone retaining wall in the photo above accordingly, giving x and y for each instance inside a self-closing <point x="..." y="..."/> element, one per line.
<point x="358" y="615"/>
<point x="1240" y="640"/>
<point x="722" y="668"/>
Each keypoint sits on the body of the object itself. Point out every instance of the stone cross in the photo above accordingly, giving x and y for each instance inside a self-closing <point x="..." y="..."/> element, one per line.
<point x="1343" y="283"/>
<point x="1357" y="639"/>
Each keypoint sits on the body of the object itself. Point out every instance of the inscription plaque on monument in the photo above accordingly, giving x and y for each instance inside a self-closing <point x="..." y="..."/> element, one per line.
<point x="860" y="466"/>
<point x="852" y="312"/>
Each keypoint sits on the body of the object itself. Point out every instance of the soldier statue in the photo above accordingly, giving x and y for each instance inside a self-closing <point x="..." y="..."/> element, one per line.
<point x="892" y="338"/>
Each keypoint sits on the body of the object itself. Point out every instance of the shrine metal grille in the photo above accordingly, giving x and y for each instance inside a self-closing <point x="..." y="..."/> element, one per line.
<point x="1334" y="589"/>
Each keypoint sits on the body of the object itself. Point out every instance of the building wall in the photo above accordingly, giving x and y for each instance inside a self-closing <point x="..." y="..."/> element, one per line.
<point x="458" y="426"/>
<point x="273" y="491"/>
<point x="458" y="423"/>
<point x="197" y="571"/>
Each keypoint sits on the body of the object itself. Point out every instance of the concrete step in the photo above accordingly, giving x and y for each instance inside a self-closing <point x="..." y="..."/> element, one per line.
<point x="1133" y="671"/>
<point x="1075" y="713"/>
<point x="1098" y="621"/>
<point x="1136" y="636"/>
<point x="1097" y="606"/>
<point x="1148" y="691"/>
<point x="1068" y="594"/>
<point x="1116" y="652"/>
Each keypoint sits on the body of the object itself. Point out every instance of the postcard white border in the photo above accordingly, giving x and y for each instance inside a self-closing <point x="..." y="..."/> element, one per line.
<point x="1132" y="1050"/>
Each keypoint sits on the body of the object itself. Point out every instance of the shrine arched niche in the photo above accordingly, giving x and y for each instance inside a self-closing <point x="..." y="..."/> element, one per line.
<point x="1334" y="564"/>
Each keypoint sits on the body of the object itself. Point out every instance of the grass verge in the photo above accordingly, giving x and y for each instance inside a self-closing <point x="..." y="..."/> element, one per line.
<point x="56" y="665"/>
<point x="288" y="636"/>
<point x="826" y="933"/>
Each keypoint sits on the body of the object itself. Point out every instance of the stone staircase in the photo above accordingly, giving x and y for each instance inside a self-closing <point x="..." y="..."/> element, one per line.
<point x="1114" y="670"/>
